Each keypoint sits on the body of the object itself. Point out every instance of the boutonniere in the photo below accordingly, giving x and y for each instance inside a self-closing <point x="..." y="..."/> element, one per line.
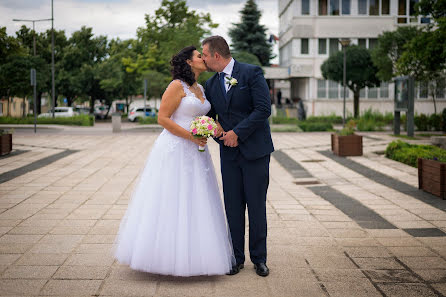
<point x="231" y="81"/>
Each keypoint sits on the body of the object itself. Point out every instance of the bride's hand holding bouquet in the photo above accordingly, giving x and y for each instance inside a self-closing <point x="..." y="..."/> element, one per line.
<point x="201" y="128"/>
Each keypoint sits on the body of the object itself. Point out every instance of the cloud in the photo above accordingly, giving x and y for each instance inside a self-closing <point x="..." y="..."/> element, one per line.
<point x="121" y="18"/>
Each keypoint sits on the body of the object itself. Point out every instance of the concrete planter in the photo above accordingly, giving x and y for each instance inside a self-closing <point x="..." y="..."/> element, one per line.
<point x="5" y="144"/>
<point x="349" y="145"/>
<point x="432" y="177"/>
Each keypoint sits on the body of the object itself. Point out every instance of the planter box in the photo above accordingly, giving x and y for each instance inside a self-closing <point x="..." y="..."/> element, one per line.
<point x="349" y="145"/>
<point x="5" y="144"/>
<point x="432" y="177"/>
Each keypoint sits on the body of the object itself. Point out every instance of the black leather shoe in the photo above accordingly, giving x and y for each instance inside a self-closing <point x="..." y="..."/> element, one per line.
<point x="235" y="269"/>
<point x="261" y="269"/>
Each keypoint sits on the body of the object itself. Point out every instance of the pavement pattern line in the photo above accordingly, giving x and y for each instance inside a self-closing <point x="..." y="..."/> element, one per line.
<point x="294" y="168"/>
<point x="388" y="181"/>
<point x="361" y="214"/>
<point x="13" y="153"/>
<point x="9" y="175"/>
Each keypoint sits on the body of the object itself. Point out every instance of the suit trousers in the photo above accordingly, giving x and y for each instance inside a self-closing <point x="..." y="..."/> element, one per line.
<point x="245" y="184"/>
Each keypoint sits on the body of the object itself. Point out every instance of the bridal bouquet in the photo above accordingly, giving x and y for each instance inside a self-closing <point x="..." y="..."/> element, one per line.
<point x="203" y="126"/>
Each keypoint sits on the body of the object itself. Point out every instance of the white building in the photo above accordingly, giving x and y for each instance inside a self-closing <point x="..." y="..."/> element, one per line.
<point x="309" y="33"/>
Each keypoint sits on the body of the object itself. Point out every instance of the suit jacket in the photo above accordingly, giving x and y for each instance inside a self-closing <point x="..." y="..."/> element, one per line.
<point x="245" y="111"/>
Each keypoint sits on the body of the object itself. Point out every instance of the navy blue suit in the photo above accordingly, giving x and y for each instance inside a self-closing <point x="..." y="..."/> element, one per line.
<point x="245" y="109"/>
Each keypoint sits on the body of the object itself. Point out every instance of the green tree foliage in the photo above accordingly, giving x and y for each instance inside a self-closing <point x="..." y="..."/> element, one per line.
<point x="391" y="45"/>
<point x="249" y="36"/>
<point x="246" y="57"/>
<point x="360" y="72"/>
<point x="425" y="55"/>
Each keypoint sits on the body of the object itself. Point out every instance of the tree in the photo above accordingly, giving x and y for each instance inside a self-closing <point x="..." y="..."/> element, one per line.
<point x="249" y="36"/>
<point x="360" y="71"/>
<point x="425" y="55"/>
<point x="391" y="45"/>
<point x="246" y="57"/>
<point x="171" y="28"/>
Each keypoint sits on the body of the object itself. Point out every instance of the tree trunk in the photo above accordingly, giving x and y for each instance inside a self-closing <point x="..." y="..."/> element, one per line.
<point x="39" y="103"/>
<point x="433" y="93"/>
<point x="356" y="104"/>
<point x="24" y="107"/>
<point x="91" y="105"/>
<point x="9" y="103"/>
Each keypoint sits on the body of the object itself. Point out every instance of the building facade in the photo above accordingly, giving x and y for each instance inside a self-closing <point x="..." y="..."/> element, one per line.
<point x="309" y="33"/>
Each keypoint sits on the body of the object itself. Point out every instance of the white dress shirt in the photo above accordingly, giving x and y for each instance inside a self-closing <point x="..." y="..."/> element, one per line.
<point x="228" y="72"/>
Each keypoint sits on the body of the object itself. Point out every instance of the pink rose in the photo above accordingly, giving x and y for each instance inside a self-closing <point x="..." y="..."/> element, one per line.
<point x="194" y="131"/>
<point x="203" y="121"/>
<point x="210" y="127"/>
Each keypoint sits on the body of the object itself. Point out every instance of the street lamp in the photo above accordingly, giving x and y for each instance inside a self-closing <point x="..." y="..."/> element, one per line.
<point x="344" y="42"/>
<point x="34" y="29"/>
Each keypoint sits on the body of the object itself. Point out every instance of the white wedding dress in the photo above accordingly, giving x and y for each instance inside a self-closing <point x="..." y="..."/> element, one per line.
<point x="175" y="222"/>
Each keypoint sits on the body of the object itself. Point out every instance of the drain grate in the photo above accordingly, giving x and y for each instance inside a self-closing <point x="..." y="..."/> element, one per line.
<point x="307" y="182"/>
<point x="312" y="161"/>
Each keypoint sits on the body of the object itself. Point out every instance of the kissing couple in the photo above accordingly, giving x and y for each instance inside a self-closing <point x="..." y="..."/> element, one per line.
<point x="175" y="223"/>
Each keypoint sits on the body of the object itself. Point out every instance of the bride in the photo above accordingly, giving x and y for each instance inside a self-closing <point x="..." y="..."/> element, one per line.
<point x="175" y="223"/>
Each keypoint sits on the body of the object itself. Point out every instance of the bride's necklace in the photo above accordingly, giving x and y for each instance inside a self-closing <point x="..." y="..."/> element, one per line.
<point x="195" y="87"/>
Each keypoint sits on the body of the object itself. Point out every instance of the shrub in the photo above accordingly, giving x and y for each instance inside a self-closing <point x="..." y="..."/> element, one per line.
<point x="443" y="120"/>
<point x="148" y="120"/>
<point x="348" y="129"/>
<point x="333" y="119"/>
<point x="285" y="120"/>
<point x="365" y="124"/>
<point x="421" y="122"/>
<point x="315" y="126"/>
<point x="376" y="116"/>
<point x="409" y="153"/>
<point x="79" y="120"/>
<point x="434" y="122"/>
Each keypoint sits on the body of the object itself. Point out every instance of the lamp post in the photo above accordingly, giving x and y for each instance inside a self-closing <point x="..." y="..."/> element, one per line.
<point x="34" y="29"/>
<point x="344" y="42"/>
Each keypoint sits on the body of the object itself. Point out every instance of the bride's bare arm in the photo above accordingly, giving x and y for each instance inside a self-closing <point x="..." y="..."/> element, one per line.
<point x="169" y="103"/>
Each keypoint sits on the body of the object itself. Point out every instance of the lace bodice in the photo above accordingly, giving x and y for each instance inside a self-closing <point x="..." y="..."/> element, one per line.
<point x="190" y="107"/>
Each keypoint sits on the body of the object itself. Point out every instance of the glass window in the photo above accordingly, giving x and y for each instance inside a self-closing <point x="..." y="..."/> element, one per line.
<point x="334" y="7"/>
<point x="362" y="42"/>
<point x="345" y="6"/>
<point x="373" y="7"/>
<point x="321" y="88"/>
<point x="440" y="88"/>
<point x="362" y="93"/>
<point x="322" y="43"/>
<point x="373" y="92"/>
<point x="384" y="90"/>
<point x="412" y="7"/>
<point x="362" y="6"/>
<point x="425" y="20"/>
<point x="304" y="46"/>
<point x="334" y="47"/>
<point x="332" y="89"/>
<point x="322" y="7"/>
<point x="372" y="43"/>
<point x="305" y="6"/>
<point x="423" y="86"/>
<point x="385" y="6"/>
<point x="401" y="7"/>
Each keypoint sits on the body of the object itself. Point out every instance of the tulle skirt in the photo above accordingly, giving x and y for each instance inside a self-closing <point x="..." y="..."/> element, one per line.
<point x="175" y="222"/>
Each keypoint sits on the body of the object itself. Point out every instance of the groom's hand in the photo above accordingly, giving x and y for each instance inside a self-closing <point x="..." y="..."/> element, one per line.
<point x="220" y="130"/>
<point x="230" y="139"/>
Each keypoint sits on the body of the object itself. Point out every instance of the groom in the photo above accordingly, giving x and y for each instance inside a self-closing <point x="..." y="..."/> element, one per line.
<point x="240" y="102"/>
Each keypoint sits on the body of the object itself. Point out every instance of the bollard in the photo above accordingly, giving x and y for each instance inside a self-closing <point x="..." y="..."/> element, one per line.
<point x="116" y="122"/>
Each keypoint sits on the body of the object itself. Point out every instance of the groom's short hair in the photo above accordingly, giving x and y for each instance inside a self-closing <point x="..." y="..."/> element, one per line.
<point x="217" y="44"/>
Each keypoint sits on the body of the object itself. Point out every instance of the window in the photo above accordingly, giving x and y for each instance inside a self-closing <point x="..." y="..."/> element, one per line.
<point x="334" y="47"/>
<point x="322" y="43"/>
<point x="362" y="93"/>
<point x="373" y="92"/>
<point x="373" y="7"/>
<point x="440" y="88"/>
<point x="322" y="7"/>
<point x="304" y="46"/>
<point x="384" y="90"/>
<point x="345" y="6"/>
<point x="402" y="11"/>
<point x="334" y="7"/>
<point x="321" y="88"/>
<point x="362" y="6"/>
<point x="305" y="7"/>
<point x="362" y="42"/>
<point x="332" y="89"/>
<point x="385" y="6"/>
<point x="373" y="42"/>
<point x="423" y="86"/>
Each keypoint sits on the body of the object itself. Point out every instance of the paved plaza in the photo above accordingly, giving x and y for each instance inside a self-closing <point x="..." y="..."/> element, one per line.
<point x="336" y="226"/>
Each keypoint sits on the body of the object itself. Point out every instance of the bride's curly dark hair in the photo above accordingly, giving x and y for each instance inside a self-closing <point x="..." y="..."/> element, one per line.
<point x="180" y="69"/>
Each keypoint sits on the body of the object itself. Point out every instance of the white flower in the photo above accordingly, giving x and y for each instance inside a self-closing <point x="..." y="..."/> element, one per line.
<point x="232" y="81"/>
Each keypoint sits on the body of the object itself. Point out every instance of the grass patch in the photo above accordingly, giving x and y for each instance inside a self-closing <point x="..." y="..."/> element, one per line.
<point x="286" y="128"/>
<point x="404" y="137"/>
<point x="79" y="120"/>
<point x="284" y="120"/>
<point x="148" y="120"/>
<point x="315" y="126"/>
<point x="409" y="153"/>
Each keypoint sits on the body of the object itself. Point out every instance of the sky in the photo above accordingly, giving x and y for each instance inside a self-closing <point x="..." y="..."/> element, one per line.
<point x="121" y="18"/>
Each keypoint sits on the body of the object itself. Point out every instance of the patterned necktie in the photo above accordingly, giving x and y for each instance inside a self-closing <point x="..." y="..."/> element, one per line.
<point x="222" y="82"/>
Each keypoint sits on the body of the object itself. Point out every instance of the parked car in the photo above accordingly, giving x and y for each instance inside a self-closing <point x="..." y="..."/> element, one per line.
<point x="100" y="111"/>
<point x="138" y="112"/>
<point x="60" y="112"/>
<point x="82" y="110"/>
